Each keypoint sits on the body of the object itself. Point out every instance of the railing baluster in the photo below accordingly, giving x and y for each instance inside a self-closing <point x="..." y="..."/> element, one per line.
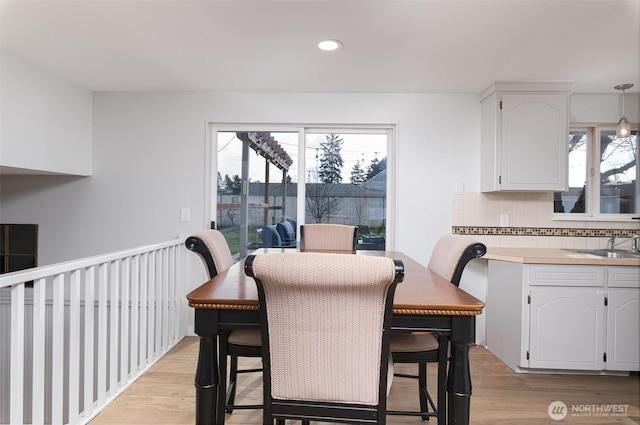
<point x="114" y="283"/>
<point x="39" y="333"/>
<point x="74" y="346"/>
<point x="174" y="320"/>
<point x="151" y="321"/>
<point x="135" y="313"/>
<point x="144" y="307"/>
<point x="103" y="288"/>
<point x="165" y="300"/>
<point x="17" y="355"/>
<point x="158" y="304"/>
<point x="124" y="323"/>
<point x="89" y="344"/>
<point x="57" y="351"/>
<point x="96" y="325"/>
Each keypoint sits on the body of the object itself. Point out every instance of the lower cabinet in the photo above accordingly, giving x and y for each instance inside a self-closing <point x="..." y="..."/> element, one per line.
<point x="566" y="329"/>
<point x="564" y="317"/>
<point x="623" y="319"/>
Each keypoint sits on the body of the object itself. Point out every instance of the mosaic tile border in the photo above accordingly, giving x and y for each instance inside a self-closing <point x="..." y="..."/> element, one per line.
<point x="542" y="231"/>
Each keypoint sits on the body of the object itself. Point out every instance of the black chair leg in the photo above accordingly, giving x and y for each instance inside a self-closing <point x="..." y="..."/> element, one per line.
<point x="443" y="358"/>
<point x="222" y="361"/>
<point x="422" y="389"/>
<point x="233" y="376"/>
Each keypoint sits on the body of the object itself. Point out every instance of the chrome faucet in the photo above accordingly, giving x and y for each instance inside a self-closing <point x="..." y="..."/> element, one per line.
<point x="611" y="244"/>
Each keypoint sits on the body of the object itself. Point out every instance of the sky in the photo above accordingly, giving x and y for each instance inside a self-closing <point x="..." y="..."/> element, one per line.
<point x="363" y="147"/>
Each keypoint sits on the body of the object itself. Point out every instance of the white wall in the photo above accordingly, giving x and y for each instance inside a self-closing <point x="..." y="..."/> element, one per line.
<point x="149" y="161"/>
<point x="432" y="157"/>
<point x="46" y="121"/>
<point x="604" y="108"/>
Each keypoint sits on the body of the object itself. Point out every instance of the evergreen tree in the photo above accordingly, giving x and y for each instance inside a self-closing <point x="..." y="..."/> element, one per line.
<point x="331" y="161"/>
<point x="233" y="185"/>
<point x="358" y="175"/>
<point x="220" y="182"/>
<point x="376" y="167"/>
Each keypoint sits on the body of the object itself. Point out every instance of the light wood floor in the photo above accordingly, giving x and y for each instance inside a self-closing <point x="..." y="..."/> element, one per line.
<point x="165" y="394"/>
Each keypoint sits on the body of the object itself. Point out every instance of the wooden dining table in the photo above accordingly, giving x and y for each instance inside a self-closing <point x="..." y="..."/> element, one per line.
<point x="423" y="301"/>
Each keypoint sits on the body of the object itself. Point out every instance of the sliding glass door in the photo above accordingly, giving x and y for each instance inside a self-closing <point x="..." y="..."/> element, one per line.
<point x="344" y="174"/>
<point x="346" y="181"/>
<point x="256" y="175"/>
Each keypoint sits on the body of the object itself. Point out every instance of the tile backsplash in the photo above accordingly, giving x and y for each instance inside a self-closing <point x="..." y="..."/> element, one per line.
<point x="530" y="222"/>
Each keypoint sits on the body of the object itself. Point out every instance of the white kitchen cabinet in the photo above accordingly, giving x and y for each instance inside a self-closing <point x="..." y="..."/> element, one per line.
<point x="524" y="139"/>
<point x="563" y="317"/>
<point x="566" y="328"/>
<point x="623" y="319"/>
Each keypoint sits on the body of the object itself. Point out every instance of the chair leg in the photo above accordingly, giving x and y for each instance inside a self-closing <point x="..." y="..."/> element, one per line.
<point x="222" y="386"/>
<point x="443" y="356"/>
<point x="422" y="389"/>
<point x="233" y="376"/>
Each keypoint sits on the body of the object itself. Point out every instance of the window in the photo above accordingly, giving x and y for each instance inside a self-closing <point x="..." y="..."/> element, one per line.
<point x="343" y="172"/>
<point x="256" y="174"/>
<point x="603" y="175"/>
<point x="346" y="181"/>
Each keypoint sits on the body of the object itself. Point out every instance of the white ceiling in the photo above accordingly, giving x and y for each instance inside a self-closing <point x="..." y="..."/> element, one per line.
<point x="389" y="46"/>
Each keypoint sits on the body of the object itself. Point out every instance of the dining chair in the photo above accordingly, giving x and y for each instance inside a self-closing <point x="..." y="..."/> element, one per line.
<point x="270" y="236"/>
<point x="326" y="321"/>
<point x="328" y="237"/>
<point x="448" y="259"/>
<point x="212" y="248"/>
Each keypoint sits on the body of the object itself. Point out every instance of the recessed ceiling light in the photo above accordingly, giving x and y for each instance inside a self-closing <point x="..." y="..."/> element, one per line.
<point x="329" y="45"/>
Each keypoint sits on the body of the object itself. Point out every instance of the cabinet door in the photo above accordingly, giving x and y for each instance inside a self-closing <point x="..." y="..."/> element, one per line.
<point x="623" y="337"/>
<point x="566" y="328"/>
<point x="534" y="142"/>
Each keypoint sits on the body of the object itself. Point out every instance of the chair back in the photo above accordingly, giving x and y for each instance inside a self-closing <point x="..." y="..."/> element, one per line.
<point x="270" y="236"/>
<point x="451" y="255"/>
<point x="326" y="323"/>
<point x="213" y="250"/>
<point x="328" y="237"/>
<point x="286" y="232"/>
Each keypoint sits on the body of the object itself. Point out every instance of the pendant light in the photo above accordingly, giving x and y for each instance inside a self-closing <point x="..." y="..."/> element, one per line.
<point x="623" y="130"/>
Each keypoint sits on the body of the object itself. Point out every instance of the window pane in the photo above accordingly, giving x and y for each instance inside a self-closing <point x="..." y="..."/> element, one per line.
<point x="347" y="183"/>
<point x="618" y="173"/>
<point x="574" y="199"/>
<point x="270" y="194"/>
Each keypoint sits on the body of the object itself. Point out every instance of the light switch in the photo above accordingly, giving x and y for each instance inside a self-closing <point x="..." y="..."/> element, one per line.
<point x="184" y="214"/>
<point x="504" y="220"/>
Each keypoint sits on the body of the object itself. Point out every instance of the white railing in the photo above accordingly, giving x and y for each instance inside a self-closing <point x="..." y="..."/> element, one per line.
<point x="76" y="334"/>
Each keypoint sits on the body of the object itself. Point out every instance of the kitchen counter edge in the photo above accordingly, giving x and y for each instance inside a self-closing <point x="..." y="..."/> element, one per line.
<point x="554" y="256"/>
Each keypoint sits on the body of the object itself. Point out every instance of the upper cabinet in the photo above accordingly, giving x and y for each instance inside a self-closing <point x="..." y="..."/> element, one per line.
<point x="525" y="130"/>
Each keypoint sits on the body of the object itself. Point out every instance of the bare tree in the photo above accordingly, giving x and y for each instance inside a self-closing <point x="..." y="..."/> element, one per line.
<point x="321" y="201"/>
<point x="360" y="204"/>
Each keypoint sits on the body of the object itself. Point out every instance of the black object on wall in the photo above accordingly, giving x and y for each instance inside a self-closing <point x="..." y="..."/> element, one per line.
<point x="18" y="247"/>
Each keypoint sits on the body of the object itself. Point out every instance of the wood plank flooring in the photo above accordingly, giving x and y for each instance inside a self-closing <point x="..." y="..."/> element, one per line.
<point x="165" y="394"/>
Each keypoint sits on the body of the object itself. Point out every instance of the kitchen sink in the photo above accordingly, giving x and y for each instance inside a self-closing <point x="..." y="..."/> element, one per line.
<point x="609" y="253"/>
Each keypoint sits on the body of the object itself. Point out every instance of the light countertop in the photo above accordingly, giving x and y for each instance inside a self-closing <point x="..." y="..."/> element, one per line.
<point x="554" y="256"/>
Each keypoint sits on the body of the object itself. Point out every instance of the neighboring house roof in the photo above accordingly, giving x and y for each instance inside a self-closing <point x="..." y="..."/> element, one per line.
<point x="377" y="183"/>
